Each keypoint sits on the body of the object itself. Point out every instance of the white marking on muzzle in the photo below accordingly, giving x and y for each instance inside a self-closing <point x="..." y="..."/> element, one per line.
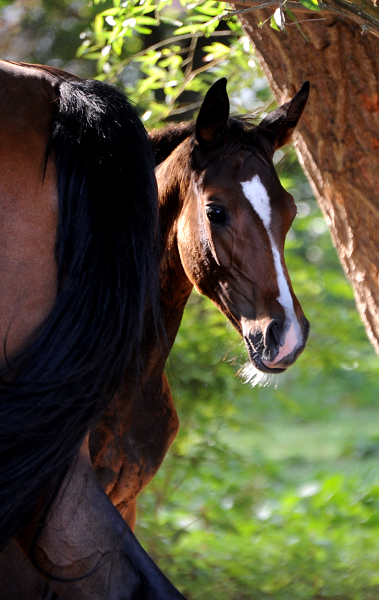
<point x="258" y="197"/>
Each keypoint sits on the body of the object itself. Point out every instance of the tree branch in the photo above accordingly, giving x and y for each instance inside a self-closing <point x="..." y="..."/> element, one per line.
<point x="363" y="12"/>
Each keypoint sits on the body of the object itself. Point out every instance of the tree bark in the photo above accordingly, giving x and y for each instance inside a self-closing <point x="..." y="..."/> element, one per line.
<point x="338" y="136"/>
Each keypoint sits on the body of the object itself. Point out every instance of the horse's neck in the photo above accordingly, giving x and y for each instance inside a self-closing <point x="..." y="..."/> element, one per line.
<point x="175" y="287"/>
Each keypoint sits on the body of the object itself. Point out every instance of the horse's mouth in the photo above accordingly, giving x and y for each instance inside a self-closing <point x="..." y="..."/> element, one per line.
<point x="257" y="361"/>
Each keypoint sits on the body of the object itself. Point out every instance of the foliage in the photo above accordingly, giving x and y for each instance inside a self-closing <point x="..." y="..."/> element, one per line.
<point x="317" y="540"/>
<point x="119" y="43"/>
<point x="188" y="40"/>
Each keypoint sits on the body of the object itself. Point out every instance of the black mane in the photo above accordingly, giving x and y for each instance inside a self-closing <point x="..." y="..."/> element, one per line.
<point x="107" y="273"/>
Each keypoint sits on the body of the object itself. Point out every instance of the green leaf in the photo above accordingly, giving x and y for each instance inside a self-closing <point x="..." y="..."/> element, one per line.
<point x="170" y="21"/>
<point x="142" y="30"/>
<point x="147" y="21"/>
<point x="172" y="61"/>
<point x="294" y="19"/>
<point x="216" y="50"/>
<point x="98" y="24"/>
<point x="311" y="4"/>
<point x="186" y="29"/>
<point x="111" y="12"/>
<point x="211" y="9"/>
<point x="200" y="18"/>
<point x="290" y="13"/>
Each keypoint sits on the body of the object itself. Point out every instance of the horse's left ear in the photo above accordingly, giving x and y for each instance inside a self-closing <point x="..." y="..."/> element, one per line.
<point x="214" y="113"/>
<point x="278" y="126"/>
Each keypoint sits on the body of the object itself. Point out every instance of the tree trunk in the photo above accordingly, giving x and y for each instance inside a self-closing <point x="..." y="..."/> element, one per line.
<point x="338" y="137"/>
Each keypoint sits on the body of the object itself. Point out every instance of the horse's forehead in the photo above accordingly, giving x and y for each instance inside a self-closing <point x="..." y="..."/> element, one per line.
<point x="234" y="167"/>
<point x="258" y="196"/>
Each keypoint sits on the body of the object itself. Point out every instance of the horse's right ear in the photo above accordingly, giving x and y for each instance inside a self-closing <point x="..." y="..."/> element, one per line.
<point x="214" y="114"/>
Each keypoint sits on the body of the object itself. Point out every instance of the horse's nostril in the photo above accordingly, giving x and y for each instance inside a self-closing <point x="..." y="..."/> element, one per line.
<point x="273" y="335"/>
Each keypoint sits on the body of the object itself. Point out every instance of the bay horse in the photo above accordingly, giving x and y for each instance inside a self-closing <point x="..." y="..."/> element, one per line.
<point x="79" y="280"/>
<point x="223" y="220"/>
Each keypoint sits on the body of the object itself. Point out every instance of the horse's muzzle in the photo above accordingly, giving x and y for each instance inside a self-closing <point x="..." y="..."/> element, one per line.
<point x="277" y="347"/>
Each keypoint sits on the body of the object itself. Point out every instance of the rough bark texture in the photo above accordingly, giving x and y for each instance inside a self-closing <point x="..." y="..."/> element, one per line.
<point x="338" y="138"/>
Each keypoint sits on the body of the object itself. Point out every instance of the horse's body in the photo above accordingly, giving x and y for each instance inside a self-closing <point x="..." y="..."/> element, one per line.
<point x="223" y="220"/>
<point x="79" y="271"/>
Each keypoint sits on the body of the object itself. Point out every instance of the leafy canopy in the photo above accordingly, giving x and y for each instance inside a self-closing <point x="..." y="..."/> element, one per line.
<point x="159" y="50"/>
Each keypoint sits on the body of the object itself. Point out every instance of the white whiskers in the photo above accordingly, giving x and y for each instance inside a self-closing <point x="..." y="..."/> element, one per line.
<point x="249" y="374"/>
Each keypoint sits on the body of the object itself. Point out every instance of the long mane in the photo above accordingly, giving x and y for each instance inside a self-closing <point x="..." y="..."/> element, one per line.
<point x="107" y="275"/>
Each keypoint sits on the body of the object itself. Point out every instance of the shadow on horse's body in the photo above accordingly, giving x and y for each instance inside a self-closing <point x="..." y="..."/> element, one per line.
<point x="223" y="220"/>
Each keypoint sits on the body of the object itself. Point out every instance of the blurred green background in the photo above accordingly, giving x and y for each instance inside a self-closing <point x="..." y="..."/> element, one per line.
<point x="273" y="492"/>
<point x="267" y="493"/>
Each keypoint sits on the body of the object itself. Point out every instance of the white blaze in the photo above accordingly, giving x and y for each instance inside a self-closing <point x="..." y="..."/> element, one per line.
<point x="257" y="195"/>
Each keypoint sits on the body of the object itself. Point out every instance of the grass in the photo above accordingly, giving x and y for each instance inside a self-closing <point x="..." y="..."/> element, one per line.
<point x="351" y="432"/>
<point x="293" y="514"/>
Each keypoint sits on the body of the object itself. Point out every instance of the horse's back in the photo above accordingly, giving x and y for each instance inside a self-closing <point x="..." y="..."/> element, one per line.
<point x="28" y="202"/>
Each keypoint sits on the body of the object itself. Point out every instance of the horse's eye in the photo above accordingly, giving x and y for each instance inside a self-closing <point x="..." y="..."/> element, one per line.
<point x="216" y="215"/>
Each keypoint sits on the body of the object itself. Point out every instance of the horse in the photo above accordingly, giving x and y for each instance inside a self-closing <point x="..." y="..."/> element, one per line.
<point x="223" y="219"/>
<point x="79" y="261"/>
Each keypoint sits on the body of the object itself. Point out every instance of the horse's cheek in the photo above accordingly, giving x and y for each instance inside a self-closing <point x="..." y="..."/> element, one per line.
<point x="189" y="246"/>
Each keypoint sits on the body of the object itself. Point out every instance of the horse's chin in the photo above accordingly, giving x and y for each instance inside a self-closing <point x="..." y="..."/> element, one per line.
<point x="258" y="363"/>
<point x="255" y="372"/>
<point x="254" y="377"/>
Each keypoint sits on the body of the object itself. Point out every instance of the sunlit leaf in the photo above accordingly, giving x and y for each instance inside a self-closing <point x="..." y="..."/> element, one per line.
<point x="310" y="4"/>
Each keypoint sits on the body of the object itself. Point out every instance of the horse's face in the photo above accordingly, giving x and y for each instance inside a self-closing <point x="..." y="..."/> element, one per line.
<point x="231" y="237"/>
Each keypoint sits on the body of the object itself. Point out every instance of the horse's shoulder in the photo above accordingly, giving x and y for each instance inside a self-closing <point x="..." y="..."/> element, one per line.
<point x="28" y="203"/>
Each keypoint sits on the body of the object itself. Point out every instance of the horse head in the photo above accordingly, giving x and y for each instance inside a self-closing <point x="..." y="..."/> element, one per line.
<point x="233" y="224"/>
